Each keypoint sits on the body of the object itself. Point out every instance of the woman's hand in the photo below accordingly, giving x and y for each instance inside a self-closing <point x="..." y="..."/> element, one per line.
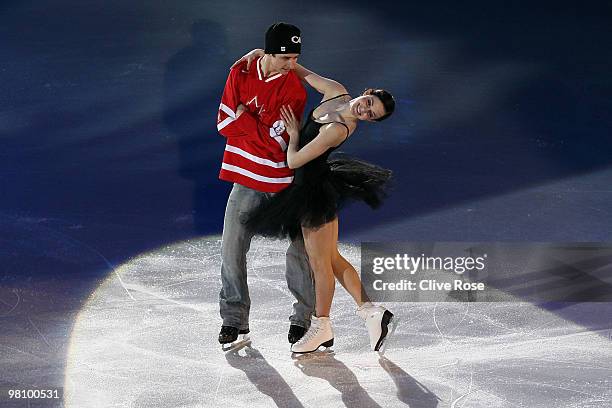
<point x="250" y="57"/>
<point x="291" y="124"/>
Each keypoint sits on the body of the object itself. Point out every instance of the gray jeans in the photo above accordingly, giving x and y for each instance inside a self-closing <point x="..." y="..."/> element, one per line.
<point x="234" y="298"/>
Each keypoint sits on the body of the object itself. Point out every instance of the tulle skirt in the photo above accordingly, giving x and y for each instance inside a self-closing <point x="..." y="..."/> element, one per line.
<point x="318" y="197"/>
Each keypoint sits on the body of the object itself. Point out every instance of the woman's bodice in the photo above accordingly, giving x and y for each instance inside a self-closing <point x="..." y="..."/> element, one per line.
<point x="317" y="167"/>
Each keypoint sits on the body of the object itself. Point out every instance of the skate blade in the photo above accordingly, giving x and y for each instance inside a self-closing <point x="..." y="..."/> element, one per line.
<point x="242" y="341"/>
<point x="304" y="355"/>
<point x="319" y="355"/>
<point x="327" y="347"/>
<point x="385" y="342"/>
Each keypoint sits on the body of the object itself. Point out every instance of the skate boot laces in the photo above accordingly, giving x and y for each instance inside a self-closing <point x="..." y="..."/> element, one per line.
<point x="311" y="333"/>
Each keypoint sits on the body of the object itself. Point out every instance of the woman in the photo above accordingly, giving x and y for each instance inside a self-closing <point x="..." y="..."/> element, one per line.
<point x="310" y="205"/>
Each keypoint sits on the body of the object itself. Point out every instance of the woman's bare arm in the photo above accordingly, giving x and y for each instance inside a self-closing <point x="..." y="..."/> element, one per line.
<point x="323" y="85"/>
<point x="330" y="135"/>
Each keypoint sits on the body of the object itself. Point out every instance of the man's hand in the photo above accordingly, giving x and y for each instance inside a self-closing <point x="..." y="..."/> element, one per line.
<point x="250" y="57"/>
<point x="291" y="124"/>
<point x="241" y="108"/>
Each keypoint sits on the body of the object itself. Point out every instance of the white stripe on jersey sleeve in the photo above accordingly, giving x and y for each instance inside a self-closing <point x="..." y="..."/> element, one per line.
<point x="227" y="110"/>
<point x="225" y="122"/>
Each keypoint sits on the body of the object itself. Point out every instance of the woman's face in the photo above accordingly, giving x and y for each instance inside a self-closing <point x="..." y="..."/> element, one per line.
<point x="367" y="107"/>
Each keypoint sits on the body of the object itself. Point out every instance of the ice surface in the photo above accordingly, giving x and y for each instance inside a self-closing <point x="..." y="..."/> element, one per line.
<point x="147" y="338"/>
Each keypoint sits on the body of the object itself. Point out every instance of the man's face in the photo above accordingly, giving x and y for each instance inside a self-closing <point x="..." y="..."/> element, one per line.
<point x="283" y="63"/>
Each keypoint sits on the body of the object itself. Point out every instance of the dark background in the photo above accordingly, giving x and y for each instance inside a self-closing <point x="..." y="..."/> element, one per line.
<point x="108" y="143"/>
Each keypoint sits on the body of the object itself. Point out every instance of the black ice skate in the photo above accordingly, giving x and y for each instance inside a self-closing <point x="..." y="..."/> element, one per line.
<point x="232" y="338"/>
<point x="295" y="333"/>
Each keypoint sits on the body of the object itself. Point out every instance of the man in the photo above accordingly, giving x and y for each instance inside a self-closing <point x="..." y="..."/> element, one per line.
<point x="255" y="161"/>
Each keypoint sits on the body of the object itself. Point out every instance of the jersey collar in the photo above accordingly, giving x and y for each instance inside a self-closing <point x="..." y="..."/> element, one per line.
<point x="260" y="73"/>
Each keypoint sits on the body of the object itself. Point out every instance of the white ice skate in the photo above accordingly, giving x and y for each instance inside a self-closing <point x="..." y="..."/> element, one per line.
<point x="319" y="334"/>
<point x="377" y="320"/>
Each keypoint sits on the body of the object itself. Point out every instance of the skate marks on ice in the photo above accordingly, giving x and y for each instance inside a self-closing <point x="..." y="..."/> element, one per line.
<point x="324" y="365"/>
<point x="262" y="375"/>
<point x="409" y="390"/>
<point x="160" y="344"/>
<point x="9" y="300"/>
<point x="512" y="354"/>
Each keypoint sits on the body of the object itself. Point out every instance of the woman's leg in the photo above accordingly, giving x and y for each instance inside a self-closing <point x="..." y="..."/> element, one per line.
<point x="321" y="245"/>
<point x="327" y="263"/>
<point x="377" y="318"/>
<point x="347" y="275"/>
<point x="349" y="278"/>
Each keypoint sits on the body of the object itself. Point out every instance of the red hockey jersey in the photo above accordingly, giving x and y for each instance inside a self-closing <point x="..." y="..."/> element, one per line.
<point x="255" y="151"/>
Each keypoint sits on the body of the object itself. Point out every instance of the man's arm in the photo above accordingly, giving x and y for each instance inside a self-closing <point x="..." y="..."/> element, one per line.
<point x="293" y="95"/>
<point x="230" y="107"/>
<point x="234" y="119"/>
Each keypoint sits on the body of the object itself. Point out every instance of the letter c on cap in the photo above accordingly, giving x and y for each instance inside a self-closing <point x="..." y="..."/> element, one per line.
<point x="296" y="40"/>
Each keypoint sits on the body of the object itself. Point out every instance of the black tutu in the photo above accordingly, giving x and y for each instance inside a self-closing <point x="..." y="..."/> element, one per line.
<point x="313" y="200"/>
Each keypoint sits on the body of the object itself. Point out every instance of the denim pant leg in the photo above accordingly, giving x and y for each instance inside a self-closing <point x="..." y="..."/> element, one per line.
<point x="300" y="282"/>
<point x="234" y="300"/>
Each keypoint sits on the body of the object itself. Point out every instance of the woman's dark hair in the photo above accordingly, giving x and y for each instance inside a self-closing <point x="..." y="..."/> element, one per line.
<point x="387" y="100"/>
